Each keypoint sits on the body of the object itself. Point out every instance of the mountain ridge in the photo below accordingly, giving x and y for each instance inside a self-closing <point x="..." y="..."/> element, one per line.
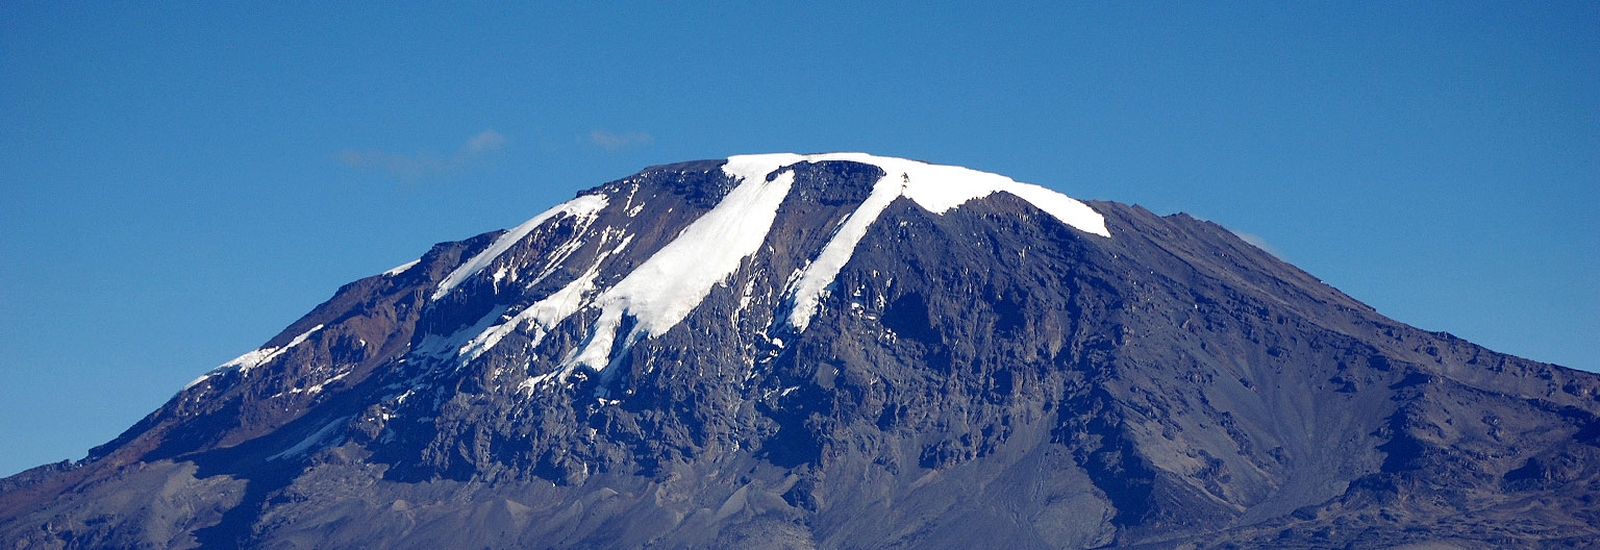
<point x="988" y="363"/>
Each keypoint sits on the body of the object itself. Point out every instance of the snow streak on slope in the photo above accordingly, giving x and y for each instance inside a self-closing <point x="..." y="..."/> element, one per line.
<point x="254" y="359"/>
<point x="544" y="315"/>
<point x="936" y="188"/>
<point x="666" y="287"/>
<point x="586" y="205"/>
<point x="402" y="268"/>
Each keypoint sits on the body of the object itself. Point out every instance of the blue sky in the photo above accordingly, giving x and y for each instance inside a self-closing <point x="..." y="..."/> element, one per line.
<point x="180" y="182"/>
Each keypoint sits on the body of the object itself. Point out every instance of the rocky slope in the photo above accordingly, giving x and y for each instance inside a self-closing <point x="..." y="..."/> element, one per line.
<point x="842" y="351"/>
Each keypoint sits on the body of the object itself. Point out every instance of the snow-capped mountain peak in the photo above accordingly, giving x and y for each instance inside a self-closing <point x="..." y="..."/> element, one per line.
<point x="839" y="351"/>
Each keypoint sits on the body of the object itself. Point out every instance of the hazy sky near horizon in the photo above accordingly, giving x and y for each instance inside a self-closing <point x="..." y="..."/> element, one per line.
<point x="180" y="182"/>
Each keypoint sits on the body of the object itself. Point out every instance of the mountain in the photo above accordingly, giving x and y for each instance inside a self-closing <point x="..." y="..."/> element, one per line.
<point x="842" y="351"/>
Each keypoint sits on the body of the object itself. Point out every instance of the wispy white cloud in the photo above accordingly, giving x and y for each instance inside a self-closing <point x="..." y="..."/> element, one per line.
<point x="616" y="142"/>
<point x="1258" y="242"/>
<point x="487" y="140"/>
<point x="424" y="165"/>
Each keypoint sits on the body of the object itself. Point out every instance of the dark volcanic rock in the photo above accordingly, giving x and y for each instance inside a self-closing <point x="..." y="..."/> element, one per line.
<point x="998" y="374"/>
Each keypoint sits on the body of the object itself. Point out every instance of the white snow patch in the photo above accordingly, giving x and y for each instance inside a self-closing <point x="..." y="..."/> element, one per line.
<point x="934" y="187"/>
<point x="544" y="315"/>
<point x="745" y="297"/>
<point x="253" y="359"/>
<point x="312" y="390"/>
<point x="672" y="282"/>
<point x="587" y="205"/>
<point x="318" y="388"/>
<point x="402" y="268"/>
<point x="444" y="346"/>
<point x="533" y="382"/>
